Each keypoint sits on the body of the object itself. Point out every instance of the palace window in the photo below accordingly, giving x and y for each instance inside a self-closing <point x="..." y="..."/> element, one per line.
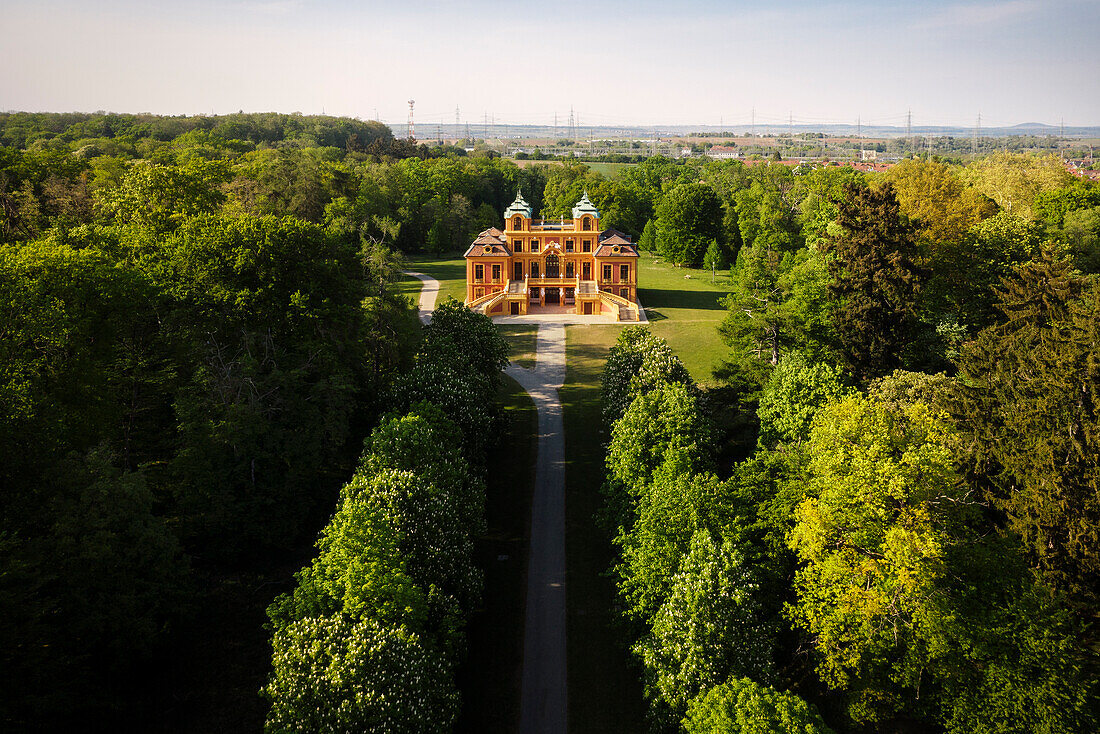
<point x="496" y="273"/>
<point x="517" y="246"/>
<point x="479" y="272"/>
<point x="624" y="273"/>
<point x="534" y="245"/>
<point x="479" y="292"/>
<point x="624" y="292"/>
<point x="517" y="223"/>
<point x="586" y="246"/>
<point x="569" y="245"/>
<point x="569" y="269"/>
<point x="586" y="224"/>
<point x="534" y="269"/>
<point x="552" y="266"/>
<point x="607" y="272"/>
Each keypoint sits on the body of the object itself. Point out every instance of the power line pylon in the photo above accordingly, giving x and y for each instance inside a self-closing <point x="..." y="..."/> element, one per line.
<point x="411" y="131"/>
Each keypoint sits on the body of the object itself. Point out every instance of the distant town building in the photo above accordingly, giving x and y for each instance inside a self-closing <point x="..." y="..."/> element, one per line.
<point x="723" y="151"/>
<point x="552" y="266"/>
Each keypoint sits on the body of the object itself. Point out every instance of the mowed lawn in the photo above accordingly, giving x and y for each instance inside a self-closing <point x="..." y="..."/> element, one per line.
<point x="684" y="308"/>
<point x="490" y="677"/>
<point x="449" y="270"/>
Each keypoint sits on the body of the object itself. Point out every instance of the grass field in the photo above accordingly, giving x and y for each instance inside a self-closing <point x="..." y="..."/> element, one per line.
<point x="610" y="170"/>
<point x="521" y="340"/>
<point x="449" y="270"/>
<point x="684" y="308"/>
<point x="491" y="676"/>
<point x="605" y="691"/>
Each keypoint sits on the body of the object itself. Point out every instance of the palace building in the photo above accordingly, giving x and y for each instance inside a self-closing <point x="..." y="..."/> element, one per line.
<point x="553" y="266"/>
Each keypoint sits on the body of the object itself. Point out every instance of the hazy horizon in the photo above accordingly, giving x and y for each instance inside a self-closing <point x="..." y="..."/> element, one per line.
<point x="615" y="63"/>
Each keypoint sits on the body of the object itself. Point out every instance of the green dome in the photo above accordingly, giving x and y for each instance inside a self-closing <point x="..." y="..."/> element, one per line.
<point x="584" y="206"/>
<point x="519" y="206"/>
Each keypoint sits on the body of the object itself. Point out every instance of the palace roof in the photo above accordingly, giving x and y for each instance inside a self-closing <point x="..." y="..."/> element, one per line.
<point x="584" y="206"/>
<point x="614" y="243"/>
<point x="519" y="206"/>
<point x="489" y="243"/>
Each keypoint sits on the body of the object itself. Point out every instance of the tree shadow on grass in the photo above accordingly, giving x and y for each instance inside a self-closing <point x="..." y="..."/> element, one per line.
<point x="705" y="300"/>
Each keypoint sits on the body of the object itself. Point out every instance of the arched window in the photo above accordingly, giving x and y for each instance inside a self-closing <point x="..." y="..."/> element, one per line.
<point x="552" y="265"/>
<point x="586" y="224"/>
<point x="517" y="223"/>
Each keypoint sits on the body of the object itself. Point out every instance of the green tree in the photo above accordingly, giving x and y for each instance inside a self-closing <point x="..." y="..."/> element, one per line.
<point x="637" y="363"/>
<point x="709" y="629"/>
<point x="938" y="202"/>
<point x="795" y="392"/>
<point x="884" y="505"/>
<point x="336" y="674"/>
<point x="777" y="303"/>
<point x="663" y="426"/>
<point x="743" y="706"/>
<point x="1028" y="399"/>
<point x="688" y="218"/>
<point x="648" y="240"/>
<point x="876" y="280"/>
<point x="714" y="259"/>
<point x="670" y="511"/>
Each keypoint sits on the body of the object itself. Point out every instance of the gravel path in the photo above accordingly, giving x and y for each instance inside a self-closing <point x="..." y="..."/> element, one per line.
<point x="543" y="701"/>
<point x="428" y="294"/>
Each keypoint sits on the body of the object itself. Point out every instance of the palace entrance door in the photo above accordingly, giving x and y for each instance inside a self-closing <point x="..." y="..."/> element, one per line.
<point x="553" y="295"/>
<point x="586" y="271"/>
<point x="552" y="270"/>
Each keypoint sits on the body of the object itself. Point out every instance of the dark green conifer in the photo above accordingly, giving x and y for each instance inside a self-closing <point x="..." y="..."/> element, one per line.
<point x="876" y="279"/>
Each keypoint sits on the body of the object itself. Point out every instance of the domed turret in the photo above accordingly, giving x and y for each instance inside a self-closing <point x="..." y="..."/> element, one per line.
<point x="584" y="206"/>
<point x="519" y="206"/>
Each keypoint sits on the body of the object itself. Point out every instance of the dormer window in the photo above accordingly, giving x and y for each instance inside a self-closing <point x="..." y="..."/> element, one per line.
<point x="586" y="224"/>
<point x="517" y="222"/>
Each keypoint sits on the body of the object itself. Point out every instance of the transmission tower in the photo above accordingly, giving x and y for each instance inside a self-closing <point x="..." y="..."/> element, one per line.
<point x="572" y="125"/>
<point x="754" y="122"/>
<point x="457" y="122"/>
<point x="909" y="128"/>
<point x="412" y="133"/>
<point x="977" y="134"/>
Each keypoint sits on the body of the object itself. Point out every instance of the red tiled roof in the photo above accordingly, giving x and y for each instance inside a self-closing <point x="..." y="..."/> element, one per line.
<point x="608" y="250"/>
<point x="612" y="232"/>
<point x="489" y="243"/>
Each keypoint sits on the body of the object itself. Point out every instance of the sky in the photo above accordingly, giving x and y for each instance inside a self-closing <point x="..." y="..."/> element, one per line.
<point x="614" y="62"/>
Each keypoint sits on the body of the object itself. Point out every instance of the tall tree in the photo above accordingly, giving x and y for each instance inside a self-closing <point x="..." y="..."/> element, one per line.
<point x="1029" y="399"/>
<point x="876" y="279"/>
<point x="688" y="218"/>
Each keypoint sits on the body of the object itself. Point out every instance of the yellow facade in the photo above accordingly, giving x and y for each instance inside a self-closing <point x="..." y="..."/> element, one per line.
<point x="552" y="265"/>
